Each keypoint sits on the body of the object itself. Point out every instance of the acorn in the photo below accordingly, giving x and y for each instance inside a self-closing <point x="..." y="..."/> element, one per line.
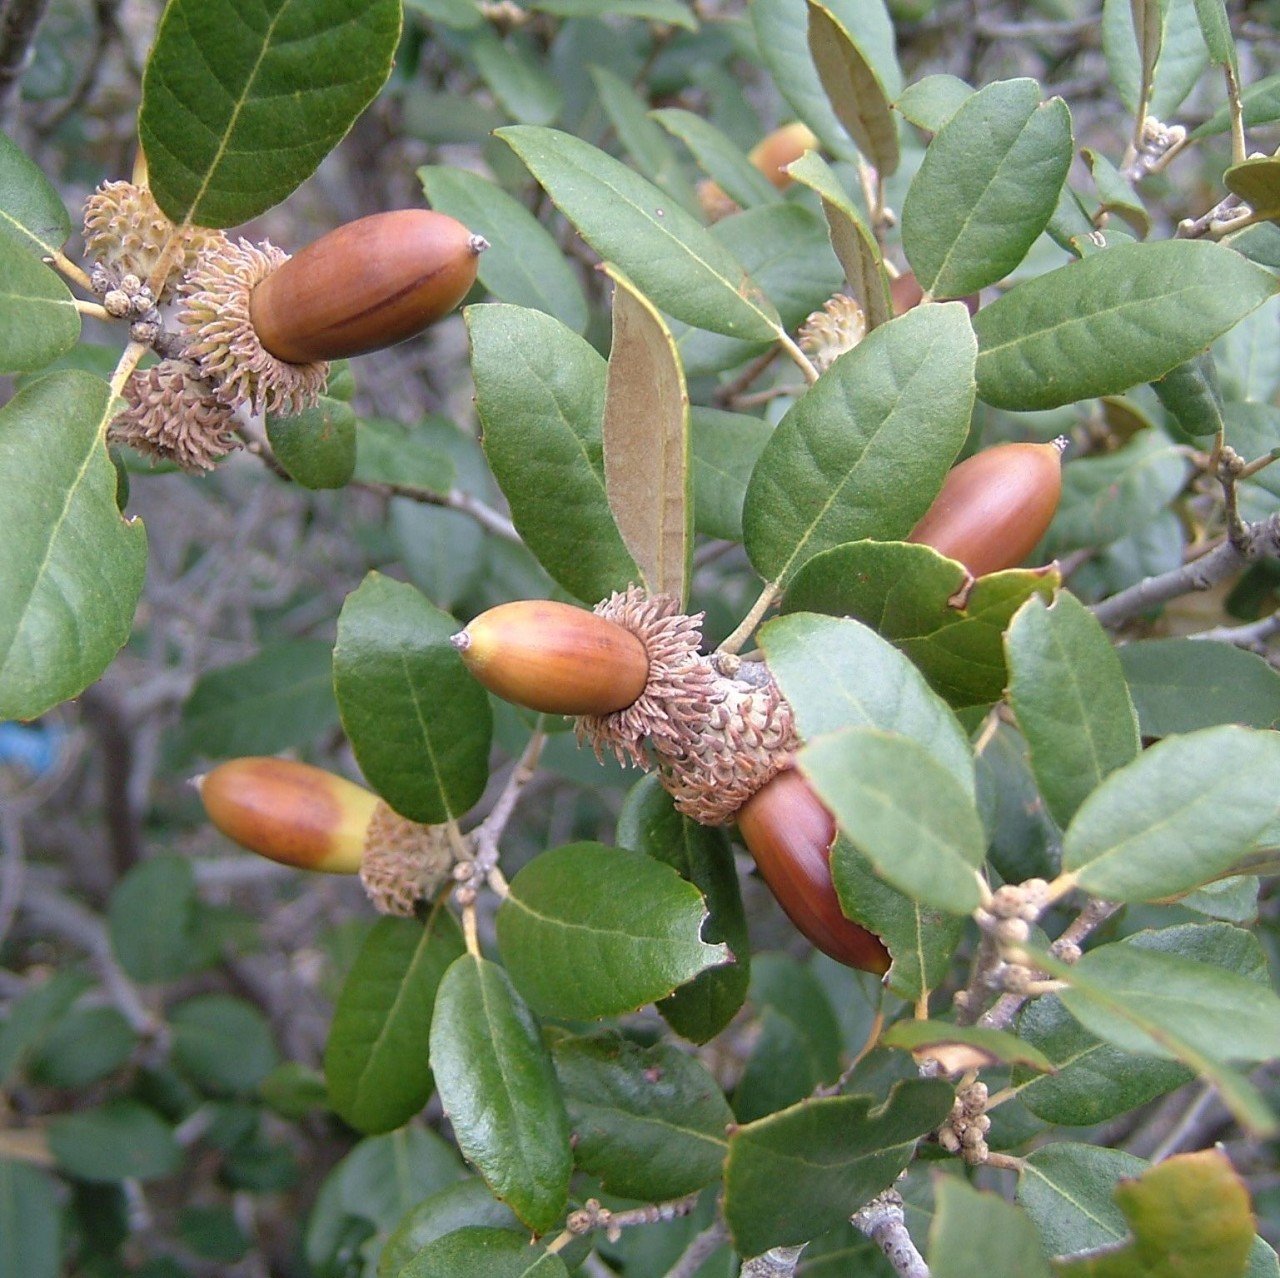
<point x="290" y="812"/>
<point x="905" y="293"/>
<point x="370" y="283"/>
<point x="995" y="506"/>
<point x="305" y="817"/>
<point x="555" y="658"/>
<point x="770" y="155"/>
<point x="790" y="834"/>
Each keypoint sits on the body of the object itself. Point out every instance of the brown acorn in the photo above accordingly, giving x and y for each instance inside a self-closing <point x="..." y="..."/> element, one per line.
<point x="790" y="834"/>
<point x="770" y="155"/>
<point x="555" y="658"/>
<point x="994" y="507"/>
<point x="905" y="293"/>
<point x="368" y="284"/>
<point x="290" y="812"/>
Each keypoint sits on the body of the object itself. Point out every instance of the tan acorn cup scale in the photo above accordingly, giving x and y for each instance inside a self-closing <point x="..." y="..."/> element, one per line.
<point x="368" y="284"/>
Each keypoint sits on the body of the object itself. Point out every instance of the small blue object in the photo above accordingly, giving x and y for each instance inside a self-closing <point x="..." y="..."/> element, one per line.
<point x="34" y="748"/>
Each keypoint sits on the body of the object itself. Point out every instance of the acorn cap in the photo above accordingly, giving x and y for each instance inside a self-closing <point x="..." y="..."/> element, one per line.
<point x="172" y="415"/>
<point x="838" y="327"/>
<point x="222" y="342"/>
<point x="404" y="862"/>
<point x="290" y="812"/>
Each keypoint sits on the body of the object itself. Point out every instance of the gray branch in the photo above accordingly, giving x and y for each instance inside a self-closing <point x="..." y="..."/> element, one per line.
<point x="777" y="1262"/>
<point x="882" y="1221"/>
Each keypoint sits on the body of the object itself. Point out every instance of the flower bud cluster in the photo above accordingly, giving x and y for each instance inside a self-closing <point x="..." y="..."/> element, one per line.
<point x="965" y="1129"/>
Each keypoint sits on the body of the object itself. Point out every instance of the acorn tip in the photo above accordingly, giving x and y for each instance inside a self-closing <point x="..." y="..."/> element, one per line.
<point x="461" y="641"/>
<point x="477" y="244"/>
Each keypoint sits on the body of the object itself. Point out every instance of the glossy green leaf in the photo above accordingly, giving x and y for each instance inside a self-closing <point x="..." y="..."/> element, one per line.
<point x="837" y="673"/>
<point x="466" y="1204"/>
<point x="1191" y="395"/>
<point x="514" y="72"/>
<point x="1180" y="685"/>
<point x="540" y="392"/>
<point x="591" y="931"/>
<point x="1184" y="812"/>
<point x="904" y="811"/>
<point x="1115" y="193"/>
<point x="224" y="1043"/>
<point x="649" y="823"/>
<point x="649" y="1122"/>
<point x="524" y="264"/>
<point x="121" y="1140"/>
<point x="1189" y="1214"/>
<point x="418" y="722"/>
<point x="988" y="185"/>
<point x="864" y="452"/>
<point x="1173" y="35"/>
<point x="375" y="1060"/>
<point x="778" y="1072"/>
<point x="485" y="1253"/>
<point x="499" y="1089"/>
<point x="789" y="987"/>
<point x="278" y="700"/>
<point x="156" y="945"/>
<point x="911" y="595"/>
<point x="1095" y="1080"/>
<point x="800" y="1172"/>
<point x="648" y="146"/>
<point x="31" y="211"/>
<point x="1108" y="498"/>
<point x="672" y="12"/>
<point x="996" y="1046"/>
<point x="725" y="448"/>
<point x="930" y="102"/>
<point x="389" y="453"/>
<point x="38" y="318"/>
<point x="72" y="570"/>
<point x="318" y="445"/>
<point x="30" y="1223"/>
<point x="1257" y="182"/>
<point x="975" y="1234"/>
<point x="1162" y="1005"/>
<point x="1068" y="690"/>
<point x="921" y="941"/>
<point x="1067" y="1190"/>
<point x="785" y="250"/>
<point x="240" y="105"/>
<point x="851" y="238"/>
<point x="853" y="85"/>
<point x="646" y="442"/>
<point x="32" y="1015"/>
<point x="669" y="255"/>
<point x="781" y="31"/>
<point x="1119" y="317"/>
<point x="717" y="156"/>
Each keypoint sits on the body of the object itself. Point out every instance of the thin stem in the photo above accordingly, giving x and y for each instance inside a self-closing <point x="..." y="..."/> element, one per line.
<point x="486" y="835"/>
<point x="488" y="518"/>
<point x="700" y="1249"/>
<point x="469" y="931"/>
<point x="70" y="269"/>
<point x="801" y="359"/>
<point x="883" y="1221"/>
<point x="1254" y="635"/>
<point x="129" y="359"/>
<point x="747" y="627"/>
<point x="729" y="392"/>
<point x="1236" y="108"/>
<point x="1006" y="1162"/>
<point x="561" y="1241"/>
<point x="95" y="310"/>
<point x="1185" y="1126"/>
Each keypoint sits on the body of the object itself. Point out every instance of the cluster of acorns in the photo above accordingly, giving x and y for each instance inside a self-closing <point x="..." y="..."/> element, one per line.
<point x="255" y="328"/>
<point x="631" y="672"/>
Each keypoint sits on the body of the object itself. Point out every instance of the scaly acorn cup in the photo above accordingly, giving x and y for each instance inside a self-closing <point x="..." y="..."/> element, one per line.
<point x="555" y="658"/>
<point x="305" y="817"/>
<point x="368" y="284"/>
<point x="790" y="834"/>
<point x="995" y="506"/>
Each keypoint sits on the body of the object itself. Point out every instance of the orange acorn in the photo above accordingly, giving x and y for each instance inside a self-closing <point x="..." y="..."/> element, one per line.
<point x="555" y="658"/>
<point x="290" y="812"/>
<point x="370" y="283"/>
<point x="905" y="293"/>
<point x="994" y="507"/>
<point x="770" y="155"/>
<point x="790" y="834"/>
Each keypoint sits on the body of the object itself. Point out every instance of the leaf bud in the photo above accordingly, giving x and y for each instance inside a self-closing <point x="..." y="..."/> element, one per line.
<point x="290" y="812"/>
<point x="790" y="833"/>
<point x="994" y="507"/>
<point x="368" y="284"/>
<point x="555" y="658"/>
